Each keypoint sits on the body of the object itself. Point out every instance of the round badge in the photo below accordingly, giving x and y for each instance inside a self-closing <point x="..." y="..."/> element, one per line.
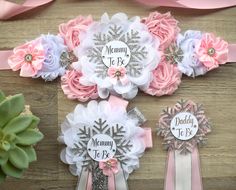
<point x="101" y="147"/>
<point x="184" y="126"/>
<point x="116" y="53"/>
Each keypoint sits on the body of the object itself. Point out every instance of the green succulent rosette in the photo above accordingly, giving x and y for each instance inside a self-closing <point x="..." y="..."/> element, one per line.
<point x="18" y="135"/>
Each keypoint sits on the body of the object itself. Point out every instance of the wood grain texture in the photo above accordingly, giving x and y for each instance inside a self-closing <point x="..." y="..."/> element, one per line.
<point x="216" y="90"/>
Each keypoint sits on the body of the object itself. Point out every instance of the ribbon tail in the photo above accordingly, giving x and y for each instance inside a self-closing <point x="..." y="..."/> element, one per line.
<point x="196" y="171"/>
<point x="85" y="180"/>
<point x="190" y="4"/>
<point x="10" y="9"/>
<point x="4" y="55"/>
<point x="120" y="180"/>
<point x="170" y="171"/>
<point x="183" y="171"/>
<point x="232" y="53"/>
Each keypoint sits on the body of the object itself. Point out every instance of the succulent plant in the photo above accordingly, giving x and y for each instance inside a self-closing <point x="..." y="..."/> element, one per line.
<point x="18" y="134"/>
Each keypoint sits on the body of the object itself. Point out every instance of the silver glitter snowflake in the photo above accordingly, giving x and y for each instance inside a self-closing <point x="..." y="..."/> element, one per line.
<point x="170" y="141"/>
<point x="116" y="132"/>
<point x="131" y="39"/>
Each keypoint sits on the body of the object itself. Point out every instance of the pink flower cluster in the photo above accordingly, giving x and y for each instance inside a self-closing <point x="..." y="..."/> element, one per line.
<point x="71" y="30"/>
<point x="71" y="86"/>
<point x="28" y="58"/>
<point x="166" y="79"/>
<point x="212" y="51"/>
<point x="163" y="26"/>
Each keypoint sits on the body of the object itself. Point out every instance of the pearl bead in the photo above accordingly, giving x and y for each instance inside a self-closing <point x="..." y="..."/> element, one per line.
<point x="211" y="51"/>
<point x="28" y="57"/>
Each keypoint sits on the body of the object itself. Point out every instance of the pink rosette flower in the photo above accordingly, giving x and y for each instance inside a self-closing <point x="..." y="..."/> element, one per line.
<point x="166" y="79"/>
<point x="71" y="30"/>
<point x="162" y="26"/>
<point x="117" y="74"/>
<point x="212" y="51"/>
<point x="72" y="87"/>
<point x="109" y="167"/>
<point x="28" y="58"/>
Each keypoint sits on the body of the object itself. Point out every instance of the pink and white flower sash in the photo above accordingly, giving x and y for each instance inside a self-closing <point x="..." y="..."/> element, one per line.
<point x="119" y="55"/>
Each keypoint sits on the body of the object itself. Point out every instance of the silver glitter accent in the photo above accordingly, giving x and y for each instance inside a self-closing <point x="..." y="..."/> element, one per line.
<point x="174" y="54"/>
<point x="116" y="132"/>
<point x="172" y="143"/>
<point x="67" y="58"/>
<point x="136" y="113"/>
<point x="131" y="39"/>
<point x="100" y="181"/>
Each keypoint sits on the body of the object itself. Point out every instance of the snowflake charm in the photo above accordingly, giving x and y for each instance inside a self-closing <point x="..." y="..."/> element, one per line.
<point x="118" y="42"/>
<point x="184" y="126"/>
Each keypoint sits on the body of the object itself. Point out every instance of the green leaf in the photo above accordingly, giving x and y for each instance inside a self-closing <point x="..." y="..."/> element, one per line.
<point x="10" y="108"/>
<point x="2" y="176"/>
<point x="34" y="123"/>
<point x="18" y="124"/>
<point x="11" y="170"/>
<point x="29" y="150"/>
<point x="29" y="137"/>
<point x="19" y="158"/>
<point x="3" y="157"/>
<point x="2" y="96"/>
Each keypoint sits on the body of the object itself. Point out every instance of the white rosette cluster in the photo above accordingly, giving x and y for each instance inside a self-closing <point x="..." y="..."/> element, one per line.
<point x="190" y="64"/>
<point x="85" y="117"/>
<point x="143" y="48"/>
<point x="53" y="47"/>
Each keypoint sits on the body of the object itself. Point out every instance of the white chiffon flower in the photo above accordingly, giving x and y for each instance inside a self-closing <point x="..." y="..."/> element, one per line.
<point x="138" y="52"/>
<point x="53" y="47"/>
<point x="85" y="117"/>
<point x="190" y="65"/>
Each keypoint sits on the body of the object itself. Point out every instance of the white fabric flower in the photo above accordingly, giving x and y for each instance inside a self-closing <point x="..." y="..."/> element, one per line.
<point x="86" y="117"/>
<point x="53" y="47"/>
<point x="143" y="55"/>
<point x="190" y="65"/>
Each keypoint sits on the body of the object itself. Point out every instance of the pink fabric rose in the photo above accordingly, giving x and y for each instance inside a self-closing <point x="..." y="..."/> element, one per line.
<point x="28" y="58"/>
<point x="74" y="89"/>
<point x="166" y="79"/>
<point x="117" y="74"/>
<point x="109" y="167"/>
<point x="162" y="26"/>
<point x="212" y="51"/>
<point x="71" y="30"/>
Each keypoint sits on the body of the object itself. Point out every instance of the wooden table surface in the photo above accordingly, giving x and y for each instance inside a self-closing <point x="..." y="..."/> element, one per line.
<point x="216" y="90"/>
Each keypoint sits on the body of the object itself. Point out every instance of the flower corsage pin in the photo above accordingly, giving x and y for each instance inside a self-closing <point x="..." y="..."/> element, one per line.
<point x="183" y="128"/>
<point x="104" y="143"/>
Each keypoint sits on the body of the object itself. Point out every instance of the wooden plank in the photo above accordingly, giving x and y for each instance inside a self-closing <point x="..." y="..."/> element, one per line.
<point x="216" y="90"/>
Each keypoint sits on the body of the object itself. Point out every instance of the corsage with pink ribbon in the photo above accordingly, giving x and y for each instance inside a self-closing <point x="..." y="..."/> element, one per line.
<point x="119" y="55"/>
<point x="104" y="143"/>
<point x="183" y="127"/>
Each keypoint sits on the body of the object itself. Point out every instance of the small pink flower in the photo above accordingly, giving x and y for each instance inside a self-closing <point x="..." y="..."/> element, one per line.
<point x="72" y="87"/>
<point x="212" y="51"/>
<point x="117" y="74"/>
<point x="71" y="30"/>
<point x="28" y="58"/>
<point x="166" y="79"/>
<point x="162" y="26"/>
<point x="109" y="167"/>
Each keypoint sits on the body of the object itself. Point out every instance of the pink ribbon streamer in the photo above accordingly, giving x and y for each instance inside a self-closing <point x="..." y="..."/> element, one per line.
<point x="195" y="173"/>
<point x="190" y="4"/>
<point x="232" y="53"/>
<point x="4" y="54"/>
<point x="10" y="9"/>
